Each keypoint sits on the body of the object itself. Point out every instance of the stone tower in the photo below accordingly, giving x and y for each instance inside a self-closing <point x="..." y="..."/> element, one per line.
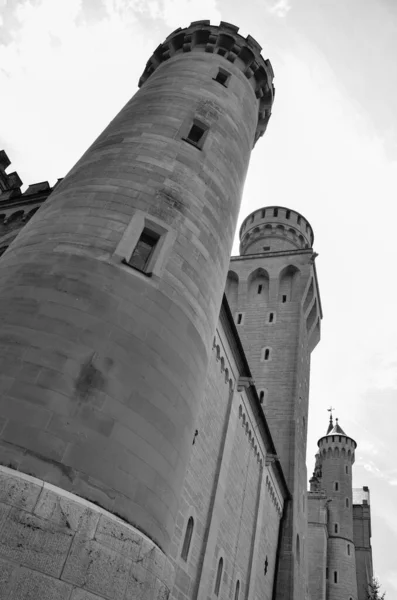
<point x="336" y="451"/>
<point x="109" y="300"/>
<point x="273" y="293"/>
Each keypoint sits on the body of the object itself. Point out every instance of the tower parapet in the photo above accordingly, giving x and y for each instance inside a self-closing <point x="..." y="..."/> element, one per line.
<point x="223" y="40"/>
<point x="275" y="228"/>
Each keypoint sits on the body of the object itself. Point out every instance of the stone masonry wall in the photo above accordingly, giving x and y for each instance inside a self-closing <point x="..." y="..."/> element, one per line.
<point x="57" y="546"/>
<point x="232" y="495"/>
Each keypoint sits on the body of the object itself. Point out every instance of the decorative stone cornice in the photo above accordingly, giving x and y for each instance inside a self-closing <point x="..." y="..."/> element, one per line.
<point x="225" y="41"/>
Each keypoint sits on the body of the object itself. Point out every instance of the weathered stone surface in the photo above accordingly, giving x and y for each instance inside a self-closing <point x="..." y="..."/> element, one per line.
<point x="6" y="571"/>
<point x="97" y="568"/>
<point x="65" y="512"/>
<point x="34" y="542"/>
<point x="31" y="585"/>
<point x="22" y="491"/>
<point x="114" y="535"/>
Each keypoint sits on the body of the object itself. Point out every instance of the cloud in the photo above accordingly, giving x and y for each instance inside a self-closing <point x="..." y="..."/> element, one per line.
<point x="280" y="8"/>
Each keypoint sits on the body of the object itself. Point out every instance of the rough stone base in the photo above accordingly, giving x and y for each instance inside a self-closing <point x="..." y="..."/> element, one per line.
<point x="57" y="546"/>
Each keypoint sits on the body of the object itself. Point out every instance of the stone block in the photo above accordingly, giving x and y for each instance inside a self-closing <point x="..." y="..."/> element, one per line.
<point x="34" y="542"/>
<point x="4" y="512"/>
<point x="30" y="585"/>
<point x="6" y="571"/>
<point x="119" y="537"/>
<point x="18" y="489"/>
<point x="152" y="558"/>
<point x="79" y="594"/>
<point x="63" y="511"/>
<point x="141" y="584"/>
<point x="97" y="568"/>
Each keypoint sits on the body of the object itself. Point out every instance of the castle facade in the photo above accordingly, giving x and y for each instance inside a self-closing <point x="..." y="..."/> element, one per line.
<point x="154" y="392"/>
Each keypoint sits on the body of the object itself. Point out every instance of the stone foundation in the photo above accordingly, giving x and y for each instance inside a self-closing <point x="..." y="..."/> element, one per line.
<point x="57" y="546"/>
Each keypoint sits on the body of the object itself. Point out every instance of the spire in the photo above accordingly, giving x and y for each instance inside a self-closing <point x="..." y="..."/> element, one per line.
<point x="336" y="429"/>
<point x="331" y="424"/>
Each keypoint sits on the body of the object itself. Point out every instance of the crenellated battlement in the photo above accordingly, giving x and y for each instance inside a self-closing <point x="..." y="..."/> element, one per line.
<point x="276" y="226"/>
<point x="224" y="40"/>
<point x="10" y="183"/>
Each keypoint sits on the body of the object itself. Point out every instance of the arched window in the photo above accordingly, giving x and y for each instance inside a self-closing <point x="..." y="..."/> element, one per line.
<point x="218" y="580"/>
<point x="237" y="592"/>
<point x="188" y="539"/>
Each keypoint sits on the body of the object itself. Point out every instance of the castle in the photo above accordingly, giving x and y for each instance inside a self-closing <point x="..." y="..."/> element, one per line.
<point x="153" y="422"/>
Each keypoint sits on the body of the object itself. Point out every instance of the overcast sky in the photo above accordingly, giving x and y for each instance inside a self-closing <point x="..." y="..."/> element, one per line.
<point x="330" y="152"/>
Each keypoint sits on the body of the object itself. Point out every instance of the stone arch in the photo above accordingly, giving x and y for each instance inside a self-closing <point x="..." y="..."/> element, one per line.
<point x="336" y="453"/>
<point x="231" y="289"/>
<point x="288" y="283"/>
<point x="258" y="286"/>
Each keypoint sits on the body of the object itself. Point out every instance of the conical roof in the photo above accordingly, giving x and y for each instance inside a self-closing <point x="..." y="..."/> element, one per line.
<point x="336" y="429"/>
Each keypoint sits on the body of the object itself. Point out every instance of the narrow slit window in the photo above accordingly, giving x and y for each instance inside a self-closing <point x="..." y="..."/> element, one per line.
<point x="271" y="317"/>
<point x="336" y="528"/>
<point x="222" y="77"/>
<point x="347" y="502"/>
<point x="239" y="318"/>
<point x="197" y="134"/>
<point x="298" y="220"/>
<point x="284" y="299"/>
<point x="347" y="470"/>
<point x="267" y="354"/>
<point x="275" y="212"/>
<point x="335" y="576"/>
<point x="336" y="486"/>
<point x="237" y="591"/>
<point x="218" y="577"/>
<point x="326" y="573"/>
<point x="143" y="251"/>
<point x="261" y="396"/>
<point x="348" y="549"/>
<point x="287" y="214"/>
<point x="259" y="288"/>
<point x="188" y="539"/>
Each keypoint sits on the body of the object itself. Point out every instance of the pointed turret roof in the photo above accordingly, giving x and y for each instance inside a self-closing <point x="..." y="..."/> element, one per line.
<point x="331" y="425"/>
<point x="336" y="429"/>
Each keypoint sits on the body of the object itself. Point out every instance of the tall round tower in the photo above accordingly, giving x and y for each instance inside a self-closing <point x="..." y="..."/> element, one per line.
<point x="109" y="297"/>
<point x="336" y="451"/>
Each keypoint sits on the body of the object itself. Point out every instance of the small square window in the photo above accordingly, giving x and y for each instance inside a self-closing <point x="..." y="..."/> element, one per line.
<point x="143" y="251"/>
<point x="266" y="248"/>
<point x="222" y="77"/>
<point x="197" y="134"/>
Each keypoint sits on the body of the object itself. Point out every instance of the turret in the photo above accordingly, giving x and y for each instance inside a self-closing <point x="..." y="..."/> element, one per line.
<point x="337" y="452"/>
<point x="273" y="293"/>
<point x="110" y="296"/>
<point x="275" y="228"/>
